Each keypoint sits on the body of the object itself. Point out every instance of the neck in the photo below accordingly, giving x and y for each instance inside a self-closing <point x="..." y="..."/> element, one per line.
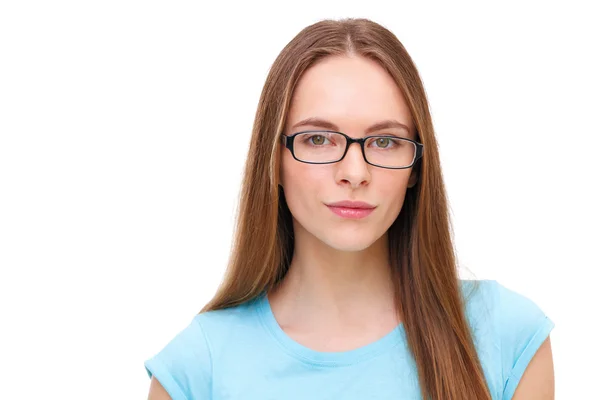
<point x="329" y="287"/>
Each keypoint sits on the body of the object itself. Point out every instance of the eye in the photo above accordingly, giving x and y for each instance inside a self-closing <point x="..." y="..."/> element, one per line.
<point x="317" y="139"/>
<point x="383" y="142"/>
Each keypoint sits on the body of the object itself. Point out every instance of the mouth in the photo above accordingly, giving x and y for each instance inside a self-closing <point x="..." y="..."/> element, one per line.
<point x="351" y="209"/>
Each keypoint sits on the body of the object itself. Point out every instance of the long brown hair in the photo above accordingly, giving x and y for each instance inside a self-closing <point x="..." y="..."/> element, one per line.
<point x="422" y="255"/>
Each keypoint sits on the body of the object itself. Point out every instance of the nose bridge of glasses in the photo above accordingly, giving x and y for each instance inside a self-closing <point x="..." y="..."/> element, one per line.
<point x="358" y="148"/>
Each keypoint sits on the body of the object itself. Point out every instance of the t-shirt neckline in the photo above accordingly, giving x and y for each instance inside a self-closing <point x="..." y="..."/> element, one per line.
<point x="338" y="358"/>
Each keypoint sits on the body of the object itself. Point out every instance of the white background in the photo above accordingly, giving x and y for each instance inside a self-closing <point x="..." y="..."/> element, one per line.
<point x="124" y="127"/>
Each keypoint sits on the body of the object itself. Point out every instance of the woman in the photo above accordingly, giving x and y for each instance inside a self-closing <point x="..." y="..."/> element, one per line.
<point x="343" y="282"/>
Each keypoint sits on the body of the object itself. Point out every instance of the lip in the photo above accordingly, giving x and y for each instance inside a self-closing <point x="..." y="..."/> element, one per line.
<point x="351" y="209"/>
<point x="351" y="204"/>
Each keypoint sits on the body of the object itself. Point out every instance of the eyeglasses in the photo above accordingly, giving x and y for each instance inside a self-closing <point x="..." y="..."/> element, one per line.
<point x="327" y="147"/>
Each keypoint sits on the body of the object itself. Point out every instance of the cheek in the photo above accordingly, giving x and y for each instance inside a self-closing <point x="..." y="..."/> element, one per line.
<point x="393" y="189"/>
<point x="306" y="185"/>
<point x="301" y="177"/>
<point x="301" y="183"/>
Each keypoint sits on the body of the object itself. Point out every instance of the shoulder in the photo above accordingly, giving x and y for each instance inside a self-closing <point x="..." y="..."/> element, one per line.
<point x="184" y="365"/>
<point x="509" y="328"/>
<point x="514" y="315"/>
<point x="511" y="310"/>
<point x="225" y="327"/>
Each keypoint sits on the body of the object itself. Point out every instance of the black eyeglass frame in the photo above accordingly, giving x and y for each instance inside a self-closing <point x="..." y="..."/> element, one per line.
<point x="289" y="144"/>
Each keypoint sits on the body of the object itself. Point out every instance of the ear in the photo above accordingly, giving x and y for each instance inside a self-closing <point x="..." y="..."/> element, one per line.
<point x="414" y="177"/>
<point x="280" y="167"/>
<point x="280" y="183"/>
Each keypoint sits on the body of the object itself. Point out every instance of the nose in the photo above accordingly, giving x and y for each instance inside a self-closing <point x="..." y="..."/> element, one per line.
<point x="353" y="170"/>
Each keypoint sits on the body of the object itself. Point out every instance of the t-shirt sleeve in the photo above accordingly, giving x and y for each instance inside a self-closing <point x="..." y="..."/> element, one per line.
<point x="184" y="366"/>
<point x="523" y="327"/>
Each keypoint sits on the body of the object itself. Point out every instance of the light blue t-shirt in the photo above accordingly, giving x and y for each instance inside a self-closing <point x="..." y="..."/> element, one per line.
<point x="242" y="353"/>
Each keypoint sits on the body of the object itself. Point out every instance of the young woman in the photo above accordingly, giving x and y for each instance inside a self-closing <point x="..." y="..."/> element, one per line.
<point x="343" y="279"/>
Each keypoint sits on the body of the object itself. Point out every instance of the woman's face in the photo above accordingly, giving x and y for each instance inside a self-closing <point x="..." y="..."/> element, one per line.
<point x="350" y="94"/>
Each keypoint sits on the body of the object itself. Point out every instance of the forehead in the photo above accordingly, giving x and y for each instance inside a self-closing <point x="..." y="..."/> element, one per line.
<point x="351" y="92"/>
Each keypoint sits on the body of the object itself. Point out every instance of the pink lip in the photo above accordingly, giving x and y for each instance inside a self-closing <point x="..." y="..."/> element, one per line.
<point x="351" y="209"/>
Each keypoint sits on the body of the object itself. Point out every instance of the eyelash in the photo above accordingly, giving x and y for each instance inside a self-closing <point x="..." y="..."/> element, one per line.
<point x="328" y="137"/>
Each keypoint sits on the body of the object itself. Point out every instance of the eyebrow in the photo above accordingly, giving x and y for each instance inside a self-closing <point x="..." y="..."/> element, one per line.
<point x="321" y="123"/>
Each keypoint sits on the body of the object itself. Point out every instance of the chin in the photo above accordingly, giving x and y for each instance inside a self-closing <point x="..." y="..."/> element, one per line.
<point x="349" y="242"/>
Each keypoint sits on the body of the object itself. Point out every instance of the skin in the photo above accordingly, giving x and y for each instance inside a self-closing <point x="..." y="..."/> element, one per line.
<point x="537" y="382"/>
<point x="339" y="285"/>
<point x="337" y="294"/>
